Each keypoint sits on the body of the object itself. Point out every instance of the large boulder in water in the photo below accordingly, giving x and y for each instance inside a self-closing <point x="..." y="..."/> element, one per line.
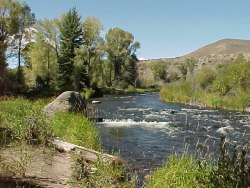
<point x="68" y="101"/>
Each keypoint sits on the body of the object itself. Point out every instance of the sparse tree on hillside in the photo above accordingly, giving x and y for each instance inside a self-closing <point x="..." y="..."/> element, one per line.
<point x="71" y="38"/>
<point x="159" y="70"/>
<point x="191" y="63"/>
<point x="183" y="69"/>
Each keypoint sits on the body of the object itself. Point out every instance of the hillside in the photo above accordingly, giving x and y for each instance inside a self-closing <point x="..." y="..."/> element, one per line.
<point x="222" y="47"/>
<point x="222" y="51"/>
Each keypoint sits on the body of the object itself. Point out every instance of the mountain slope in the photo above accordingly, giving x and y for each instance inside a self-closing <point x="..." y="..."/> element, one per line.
<point x="222" y="47"/>
<point x="222" y="51"/>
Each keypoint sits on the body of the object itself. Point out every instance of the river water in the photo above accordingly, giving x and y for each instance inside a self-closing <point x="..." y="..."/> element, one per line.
<point x="145" y="130"/>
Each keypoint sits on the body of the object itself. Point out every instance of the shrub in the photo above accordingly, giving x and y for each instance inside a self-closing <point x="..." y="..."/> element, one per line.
<point x="89" y="92"/>
<point x="159" y="69"/>
<point x="205" y="77"/>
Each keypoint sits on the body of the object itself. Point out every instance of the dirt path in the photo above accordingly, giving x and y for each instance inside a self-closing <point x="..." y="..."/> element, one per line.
<point x="37" y="166"/>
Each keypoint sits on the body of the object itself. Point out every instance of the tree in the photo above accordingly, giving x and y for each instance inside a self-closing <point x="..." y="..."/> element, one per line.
<point x="183" y="69"/>
<point x="71" y="33"/>
<point x="120" y="48"/>
<point x="130" y="72"/>
<point x="41" y="71"/>
<point x="45" y="51"/>
<point x="25" y="20"/>
<point x="89" y="55"/>
<point x="191" y="63"/>
<point x="159" y="69"/>
<point x="8" y="27"/>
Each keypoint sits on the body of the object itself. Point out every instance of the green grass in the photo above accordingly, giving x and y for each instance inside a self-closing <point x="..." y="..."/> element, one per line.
<point x="30" y="127"/>
<point x="184" y="92"/>
<point x="230" y="169"/>
<point x="181" y="172"/>
<point x="105" y="174"/>
<point x="26" y="120"/>
<point x="76" y="129"/>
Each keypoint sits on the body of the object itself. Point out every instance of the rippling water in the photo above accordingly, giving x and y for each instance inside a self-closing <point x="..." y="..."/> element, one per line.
<point x="145" y="130"/>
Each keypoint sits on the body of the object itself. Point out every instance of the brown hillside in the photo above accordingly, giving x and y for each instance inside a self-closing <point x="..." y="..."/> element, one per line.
<point x="222" y="47"/>
<point x="222" y="51"/>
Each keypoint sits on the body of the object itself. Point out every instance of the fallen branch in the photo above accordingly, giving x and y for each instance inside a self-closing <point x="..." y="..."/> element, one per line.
<point x="87" y="154"/>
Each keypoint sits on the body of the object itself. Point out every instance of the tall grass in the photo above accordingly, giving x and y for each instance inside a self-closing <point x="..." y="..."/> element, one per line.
<point x="76" y="129"/>
<point x="181" y="172"/>
<point x="183" y="92"/>
<point x="230" y="170"/>
<point x="25" y="120"/>
<point x="101" y="174"/>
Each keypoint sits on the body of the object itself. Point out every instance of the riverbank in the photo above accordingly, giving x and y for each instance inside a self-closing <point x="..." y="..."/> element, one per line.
<point x="100" y="92"/>
<point x="183" y="92"/>
<point x="25" y="137"/>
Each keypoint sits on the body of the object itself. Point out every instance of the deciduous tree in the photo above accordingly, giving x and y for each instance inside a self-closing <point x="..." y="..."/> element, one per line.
<point x="120" y="48"/>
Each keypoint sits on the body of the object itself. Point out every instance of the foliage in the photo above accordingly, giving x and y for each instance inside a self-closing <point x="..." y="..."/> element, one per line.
<point x="76" y="129"/>
<point x="41" y="57"/>
<point x="177" y="92"/>
<point x="159" y="69"/>
<point x="10" y="11"/>
<point x="89" y="55"/>
<point x="231" y="169"/>
<point x="181" y="172"/>
<point x="121" y="50"/>
<point x="228" y="87"/>
<point x="191" y="64"/>
<point x="25" y="120"/>
<point x="105" y="174"/>
<point x="183" y="68"/>
<point x="70" y="35"/>
<point x="205" y="77"/>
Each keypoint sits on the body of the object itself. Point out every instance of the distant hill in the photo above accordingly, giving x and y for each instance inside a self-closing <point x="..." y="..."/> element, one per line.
<point x="222" y="51"/>
<point x="222" y="47"/>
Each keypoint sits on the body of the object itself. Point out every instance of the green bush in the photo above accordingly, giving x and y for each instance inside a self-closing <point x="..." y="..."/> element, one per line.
<point x="159" y="69"/>
<point x="89" y="92"/>
<point x="205" y="77"/>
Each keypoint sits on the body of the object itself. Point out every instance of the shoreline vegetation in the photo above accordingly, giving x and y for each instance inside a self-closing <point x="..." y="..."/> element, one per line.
<point x="226" y="86"/>
<point x="25" y="135"/>
<point x="31" y="129"/>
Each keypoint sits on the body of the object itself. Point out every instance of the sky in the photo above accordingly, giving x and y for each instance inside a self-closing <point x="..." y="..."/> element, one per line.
<point x="165" y="28"/>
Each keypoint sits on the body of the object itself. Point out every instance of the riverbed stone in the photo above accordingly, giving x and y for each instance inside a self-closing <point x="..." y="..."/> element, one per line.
<point x="68" y="101"/>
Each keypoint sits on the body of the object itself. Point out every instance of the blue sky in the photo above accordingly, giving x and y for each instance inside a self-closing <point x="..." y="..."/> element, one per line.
<point x="165" y="28"/>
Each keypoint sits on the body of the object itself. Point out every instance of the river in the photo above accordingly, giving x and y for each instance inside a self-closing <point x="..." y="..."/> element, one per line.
<point x="145" y="130"/>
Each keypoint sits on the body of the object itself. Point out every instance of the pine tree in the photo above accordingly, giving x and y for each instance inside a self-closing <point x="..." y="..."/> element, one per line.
<point x="70" y="40"/>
